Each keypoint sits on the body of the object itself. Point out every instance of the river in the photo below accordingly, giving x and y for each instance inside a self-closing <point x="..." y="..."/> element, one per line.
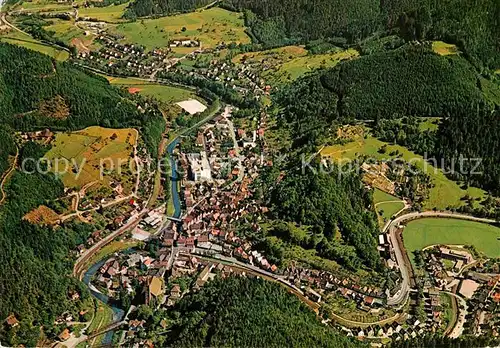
<point x="118" y="313"/>
<point x="174" y="178"/>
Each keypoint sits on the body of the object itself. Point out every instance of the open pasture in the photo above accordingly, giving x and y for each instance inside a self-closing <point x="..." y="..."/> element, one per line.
<point x="86" y="149"/>
<point x="110" y="14"/>
<point x="288" y="63"/>
<point x="444" y="49"/>
<point x="20" y="39"/>
<point x="210" y="26"/>
<point x="164" y="93"/>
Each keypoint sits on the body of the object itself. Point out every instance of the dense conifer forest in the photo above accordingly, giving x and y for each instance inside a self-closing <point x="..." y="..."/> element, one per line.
<point x="35" y="278"/>
<point x="248" y="312"/>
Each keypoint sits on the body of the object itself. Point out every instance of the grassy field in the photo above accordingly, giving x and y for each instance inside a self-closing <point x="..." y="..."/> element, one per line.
<point x="88" y="148"/>
<point x="445" y="192"/>
<point x="292" y="62"/>
<point x="429" y="123"/>
<point x="42" y="6"/>
<point x="387" y="210"/>
<point x="103" y="317"/>
<point x="299" y="66"/>
<point x="70" y="34"/>
<point x="386" y="205"/>
<point x="167" y="94"/>
<point x="211" y="26"/>
<point x="20" y="39"/>
<point x="381" y="196"/>
<point x="110" y="14"/>
<point x="444" y="49"/>
<point x="421" y="233"/>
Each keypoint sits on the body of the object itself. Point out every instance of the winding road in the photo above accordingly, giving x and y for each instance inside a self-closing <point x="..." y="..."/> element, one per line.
<point x="391" y="227"/>
<point x="7" y="176"/>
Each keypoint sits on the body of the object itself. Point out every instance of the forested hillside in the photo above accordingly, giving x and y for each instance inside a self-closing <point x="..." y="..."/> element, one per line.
<point x="334" y="207"/>
<point x="35" y="278"/>
<point x="473" y="135"/>
<point x="163" y="7"/>
<point x="473" y="25"/>
<point x="7" y="148"/>
<point x="410" y="81"/>
<point x="247" y="312"/>
<point x="40" y="92"/>
<point x="32" y="82"/>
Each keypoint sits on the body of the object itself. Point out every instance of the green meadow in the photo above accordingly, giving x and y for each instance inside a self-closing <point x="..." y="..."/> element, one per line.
<point x="445" y="193"/>
<point x="421" y="233"/>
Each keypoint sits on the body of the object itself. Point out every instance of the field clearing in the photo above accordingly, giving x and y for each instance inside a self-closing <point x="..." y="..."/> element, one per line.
<point x="491" y="90"/>
<point x="166" y="94"/>
<point x="387" y="210"/>
<point x="210" y="26"/>
<point x="110" y="14"/>
<point x="445" y="193"/>
<point x="285" y="53"/>
<point x="292" y="62"/>
<point x="381" y="196"/>
<point x="429" y="123"/>
<point x="421" y="233"/>
<point x="20" y="39"/>
<point x="300" y="66"/>
<point x="69" y="33"/>
<point x="86" y="149"/>
<point x="43" y="6"/>
<point x="444" y="49"/>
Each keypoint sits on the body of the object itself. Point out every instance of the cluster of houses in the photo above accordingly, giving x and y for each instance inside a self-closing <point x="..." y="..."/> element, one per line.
<point x="125" y="59"/>
<point x="239" y="77"/>
<point x="368" y="297"/>
<point x="395" y="331"/>
<point x="455" y="270"/>
<point x="483" y="316"/>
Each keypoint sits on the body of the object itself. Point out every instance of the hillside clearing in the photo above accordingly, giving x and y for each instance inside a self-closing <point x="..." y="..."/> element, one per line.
<point x="90" y="149"/>
<point x="111" y="14"/>
<point x="211" y="27"/>
<point x="444" y="49"/>
<point x="20" y="39"/>
<point x="164" y="93"/>
<point x="445" y="193"/>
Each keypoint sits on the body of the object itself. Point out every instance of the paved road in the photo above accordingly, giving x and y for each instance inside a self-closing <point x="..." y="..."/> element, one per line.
<point x="391" y="228"/>
<point x="87" y="254"/>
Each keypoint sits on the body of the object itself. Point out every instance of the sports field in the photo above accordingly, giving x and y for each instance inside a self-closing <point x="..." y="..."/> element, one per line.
<point x="421" y="233"/>
<point x="166" y="94"/>
<point x="445" y="192"/>
<point x="20" y="39"/>
<point x="210" y="26"/>
<point x="86" y="149"/>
